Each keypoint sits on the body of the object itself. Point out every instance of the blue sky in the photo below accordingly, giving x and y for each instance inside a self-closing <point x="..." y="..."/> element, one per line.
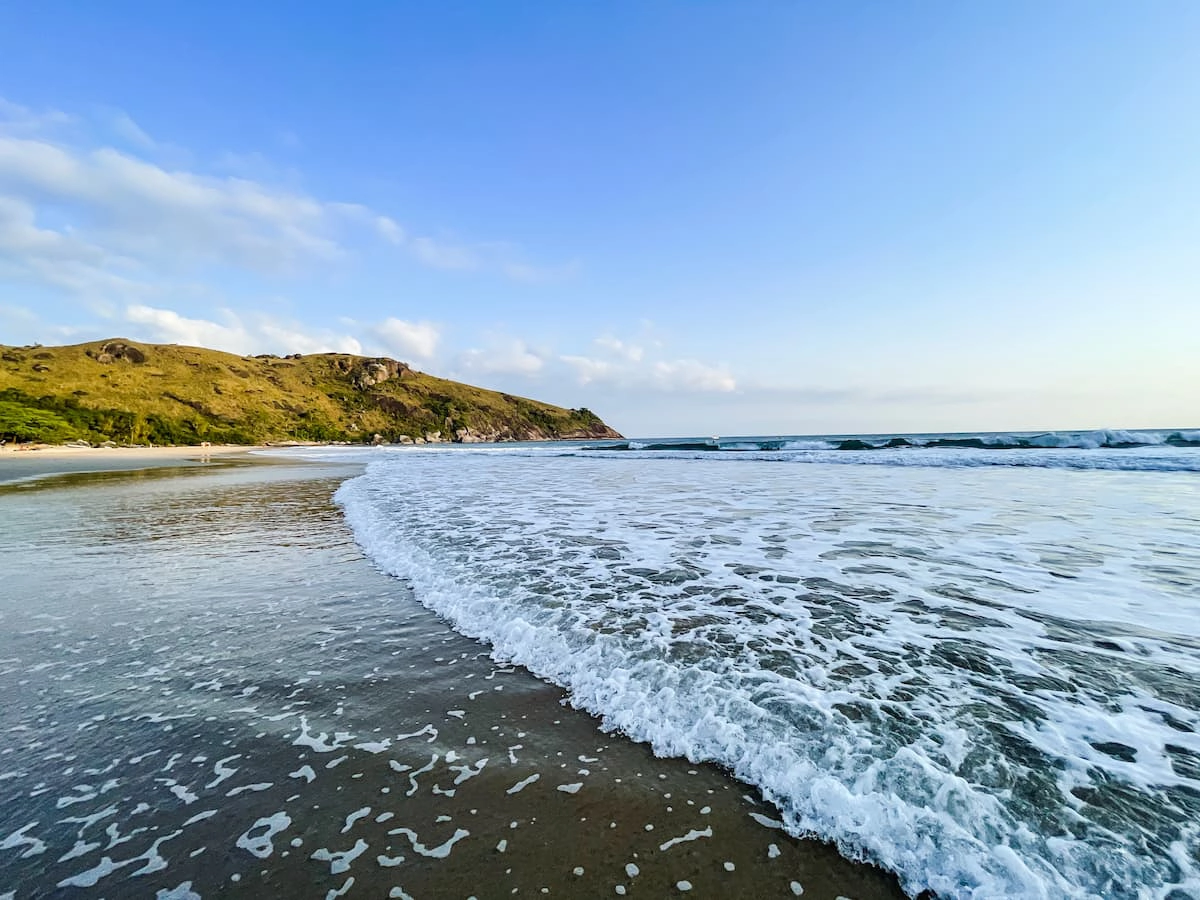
<point x="692" y="218"/>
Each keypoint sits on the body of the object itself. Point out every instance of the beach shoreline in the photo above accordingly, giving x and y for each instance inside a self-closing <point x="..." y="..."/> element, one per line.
<point x="67" y="451"/>
<point x="24" y="462"/>
<point x="254" y="709"/>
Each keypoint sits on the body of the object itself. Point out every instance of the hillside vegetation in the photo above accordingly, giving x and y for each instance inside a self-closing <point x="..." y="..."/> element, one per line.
<point x="132" y="393"/>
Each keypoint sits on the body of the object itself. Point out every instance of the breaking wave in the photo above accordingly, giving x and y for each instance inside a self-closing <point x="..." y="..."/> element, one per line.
<point x="987" y="681"/>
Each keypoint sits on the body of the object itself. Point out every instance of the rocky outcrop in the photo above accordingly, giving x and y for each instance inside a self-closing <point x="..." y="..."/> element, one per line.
<point x="466" y="435"/>
<point x="530" y="433"/>
<point x="600" y="432"/>
<point x="372" y="372"/>
<point x="111" y="351"/>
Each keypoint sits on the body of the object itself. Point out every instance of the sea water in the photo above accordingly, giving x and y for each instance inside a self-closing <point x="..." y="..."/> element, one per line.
<point x="977" y="665"/>
<point x="208" y="692"/>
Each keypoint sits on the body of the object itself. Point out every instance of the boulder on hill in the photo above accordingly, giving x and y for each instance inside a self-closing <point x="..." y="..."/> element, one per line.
<point x="111" y="351"/>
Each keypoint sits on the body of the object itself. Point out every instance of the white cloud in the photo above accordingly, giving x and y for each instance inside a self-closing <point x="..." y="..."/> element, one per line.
<point x="236" y="334"/>
<point x="169" y="327"/>
<point x="257" y="332"/>
<point x="137" y="208"/>
<point x="625" y="364"/>
<point x="110" y="207"/>
<point x="503" y="356"/>
<point x="408" y="339"/>
<point x="58" y="258"/>
<point x="588" y="370"/>
<point x="17" y="119"/>
<point x="629" y="351"/>
<point x="442" y="255"/>
<point x="664" y="375"/>
<point x="691" y="375"/>
<point x="296" y="338"/>
<point x="129" y="131"/>
<point x="389" y="230"/>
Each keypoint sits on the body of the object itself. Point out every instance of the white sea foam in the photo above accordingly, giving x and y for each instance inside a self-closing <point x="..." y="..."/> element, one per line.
<point x="340" y="861"/>
<point x="257" y="839"/>
<point x="523" y="783"/>
<point x="467" y="772"/>
<point x="439" y="852"/>
<point x="984" y="680"/>
<point x="306" y="772"/>
<point x="19" y="838"/>
<point x="807" y="445"/>
<point x="81" y="848"/>
<point x="90" y="877"/>
<point x="692" y="835"/>
<point x="179" y="892"/>
<point x="222" y="770"/>
<point x="354" y="817"/>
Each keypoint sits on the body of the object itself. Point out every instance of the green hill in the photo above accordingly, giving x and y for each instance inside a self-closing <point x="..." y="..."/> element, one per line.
<point x="131" y="393"/>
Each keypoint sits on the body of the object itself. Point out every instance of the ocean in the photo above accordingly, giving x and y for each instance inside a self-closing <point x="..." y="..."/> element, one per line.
<point x="971" y="659"/>
<point x="209" y="691"/>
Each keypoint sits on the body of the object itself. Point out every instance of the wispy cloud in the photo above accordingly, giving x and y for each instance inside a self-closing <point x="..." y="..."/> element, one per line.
<point x="114" y="219"/>
<point x="442" y="255"/>
<point x="529" y="273"/>
<point x="502" y="355"/>
<point x="256" y="333"/>
<point x="408" y="339"/>
<point x="60" y="258"/>
<point x="22" y="315"/>
<point x="136" y="209"/>
<point x="692" y="375"/>
<point x="17" y="119"/>
<point x="624" y="349"/>
<point x="390" y="230"/>
<point x="129" y="131"/>
<point x="588" y="370"/>
<point x="641" y="364"/>
<point x="486" y="256"/>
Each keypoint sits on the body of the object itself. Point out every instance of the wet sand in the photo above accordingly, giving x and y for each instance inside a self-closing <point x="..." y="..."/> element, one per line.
<point x="207" y="690"/>
<point x="19" y="462"/>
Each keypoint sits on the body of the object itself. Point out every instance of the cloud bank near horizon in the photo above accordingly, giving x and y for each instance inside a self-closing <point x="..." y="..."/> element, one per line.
<point x="89" y="214"/>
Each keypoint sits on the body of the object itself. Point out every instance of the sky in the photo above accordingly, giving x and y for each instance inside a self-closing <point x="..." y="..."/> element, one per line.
<point x="692" y="218"/>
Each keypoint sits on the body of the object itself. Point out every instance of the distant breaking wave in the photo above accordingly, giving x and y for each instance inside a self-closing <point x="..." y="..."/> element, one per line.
<point x="1176" y="450"/>
<point x="1163" y="450"/>
<point x="1104" y="439"/>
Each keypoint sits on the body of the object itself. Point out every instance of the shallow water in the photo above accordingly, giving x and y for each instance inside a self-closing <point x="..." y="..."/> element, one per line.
<point x="985" y="678"/>
<point x="208" y="691"/>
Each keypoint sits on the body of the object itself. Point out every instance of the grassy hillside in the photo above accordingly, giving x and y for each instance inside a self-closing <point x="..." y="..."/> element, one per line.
<point x="132" y="393"/>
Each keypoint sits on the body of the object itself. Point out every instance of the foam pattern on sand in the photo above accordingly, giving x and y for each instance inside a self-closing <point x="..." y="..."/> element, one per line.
<point x="987" y="680"/>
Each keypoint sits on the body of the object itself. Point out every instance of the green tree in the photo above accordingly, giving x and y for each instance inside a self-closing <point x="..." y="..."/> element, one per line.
<point x="22" y="423"/>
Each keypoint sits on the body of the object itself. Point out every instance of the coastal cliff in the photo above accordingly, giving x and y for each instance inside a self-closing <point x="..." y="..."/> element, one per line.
<point x="133" y="393"/>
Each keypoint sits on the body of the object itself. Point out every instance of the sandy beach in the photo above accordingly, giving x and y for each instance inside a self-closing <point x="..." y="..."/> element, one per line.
<point x="143" y="454"/>
<point x="25" y="461"/>
<point x="208" y="690"/>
